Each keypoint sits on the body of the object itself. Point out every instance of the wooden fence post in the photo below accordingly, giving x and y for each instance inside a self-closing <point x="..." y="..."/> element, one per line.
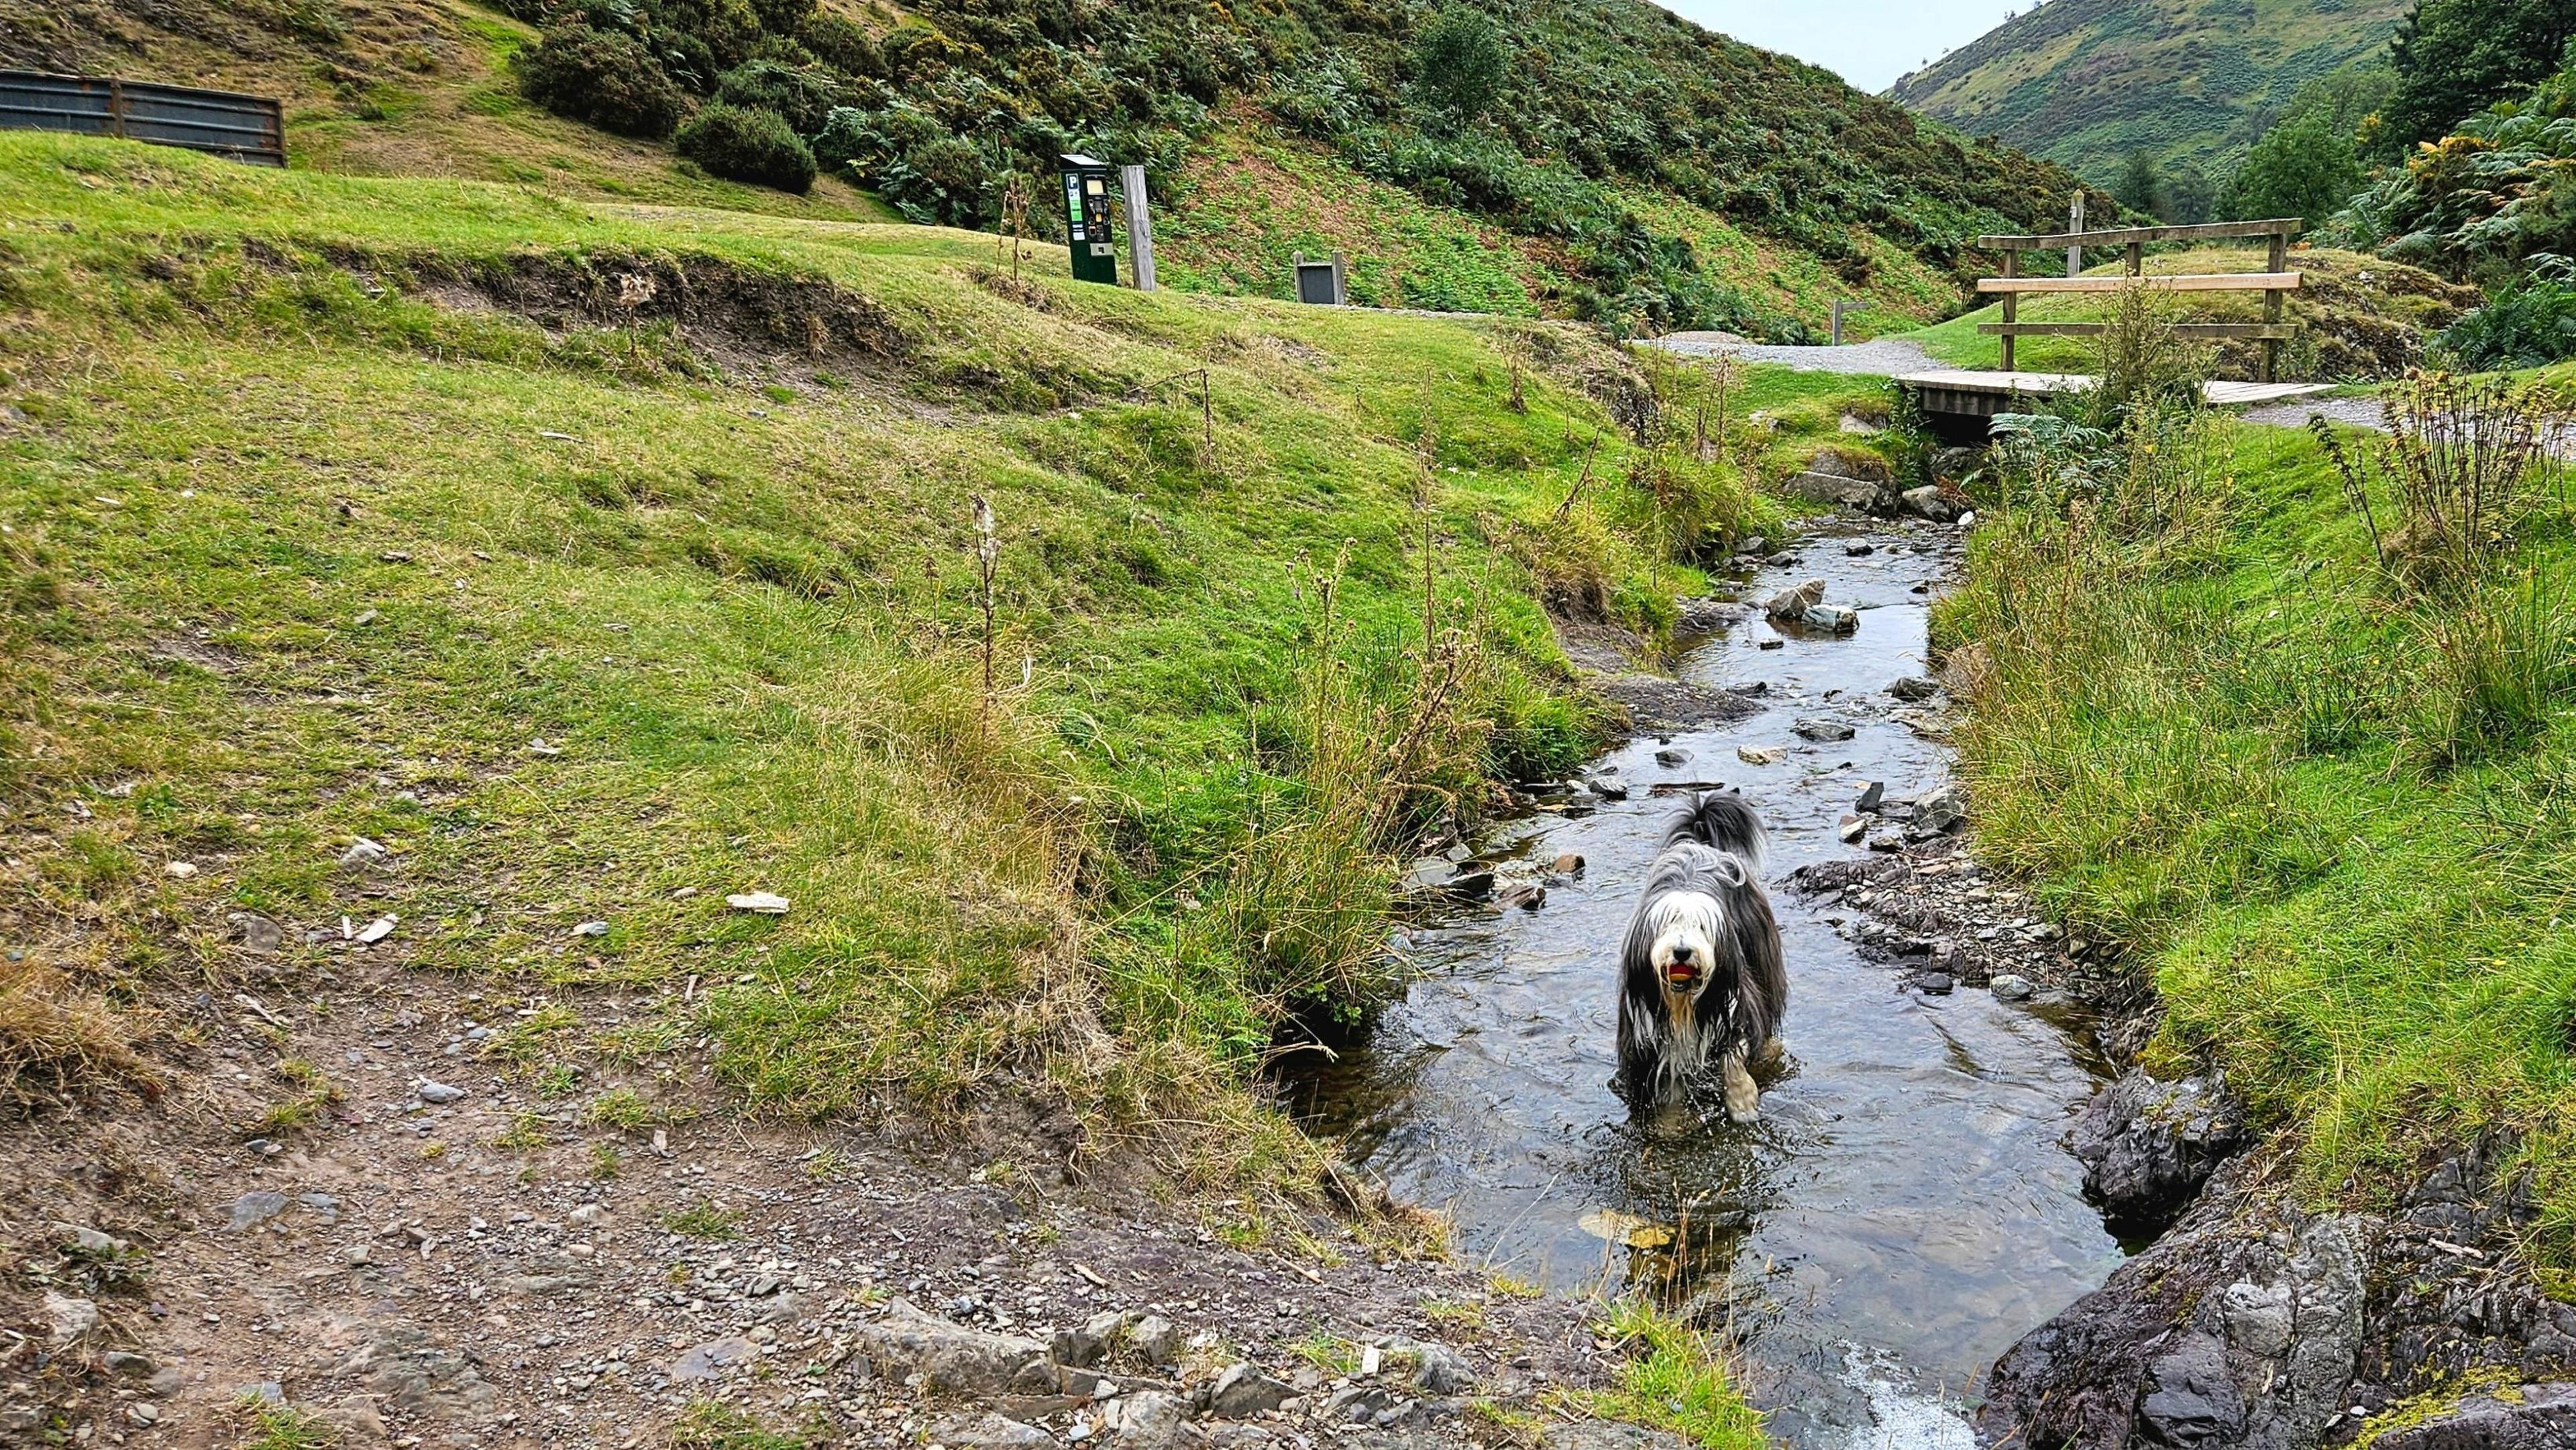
<point x="2280" y="258"/>
<point x="2012" y="268"/>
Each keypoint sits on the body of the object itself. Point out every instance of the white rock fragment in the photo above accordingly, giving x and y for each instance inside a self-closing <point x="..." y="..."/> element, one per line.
<point x="767" y="903"/>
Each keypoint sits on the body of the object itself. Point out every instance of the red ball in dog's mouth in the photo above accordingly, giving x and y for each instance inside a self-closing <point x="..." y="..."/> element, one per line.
<point x="1679" y="975"/>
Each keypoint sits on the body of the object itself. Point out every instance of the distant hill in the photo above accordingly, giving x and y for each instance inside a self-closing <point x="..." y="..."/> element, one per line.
<point x="1622" y="164"/>
<point x="2086" y="82"/>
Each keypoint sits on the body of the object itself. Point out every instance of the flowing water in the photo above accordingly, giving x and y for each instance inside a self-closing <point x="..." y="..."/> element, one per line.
<point x="1904" y="1210"/>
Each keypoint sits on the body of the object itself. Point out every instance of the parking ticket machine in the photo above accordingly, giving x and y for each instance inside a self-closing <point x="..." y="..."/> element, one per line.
<point x="1086" y="215"/>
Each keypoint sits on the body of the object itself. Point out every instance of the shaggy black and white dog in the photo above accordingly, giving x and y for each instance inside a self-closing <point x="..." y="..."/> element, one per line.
<point x="1701" y="980"/>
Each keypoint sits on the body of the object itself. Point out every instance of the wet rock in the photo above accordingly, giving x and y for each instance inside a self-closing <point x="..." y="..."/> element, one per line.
<point x="1831" y="618"/>
<point x="2010" y="987"/>
<point x="1474" y="884"/>
<point x="1931" y="502"/>
<point x="1672" y="756"/>
<point x="1887" y="841"/>
<point x="1871" y="796"/>
<point x="1795" y="600"/>
<point x="953" y="1357"/>
<point x="1912" y="689"/>
<point x="1941" y="811"/>
<point x="1610" y="786"/>
<point x="1754" y="545"/>
<point x="2191" y="1401"/>
<point x="1567" y="864"/>
<point x="2147" y="1146"/>
<point x="1936" y="984"/>
<point x="1859" y="549"/>
<point x="1760" y="754"/>
<point x="1242" y="1392"/>
<point x="1525" y="895"/>
<point x="1781" y="560"/>
<point x="985" y="1431"/>
<point x="1852" y="828"/>
<point x="1428" y="874"/>
<point x="1823" y="731"/>
<point x="2528" y="1417"/>
<point x="1706" y="614"/>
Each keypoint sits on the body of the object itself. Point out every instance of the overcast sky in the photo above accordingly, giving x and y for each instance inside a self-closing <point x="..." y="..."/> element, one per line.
<point x="1868" y="42"/>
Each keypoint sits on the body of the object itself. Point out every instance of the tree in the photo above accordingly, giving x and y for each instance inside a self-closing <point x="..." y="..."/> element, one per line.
<point x="2190" y="196"/>
<point x="1460" y="61"/>
<point x="2140" y="188"/>
<point x="2457" y="57"/>
<point x="2304" y="167"/>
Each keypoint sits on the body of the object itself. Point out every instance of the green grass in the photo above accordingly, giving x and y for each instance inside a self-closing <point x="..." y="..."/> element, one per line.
<point x="704" y="1220"/>
<point x="311" y="539"/>
<point x="1676" y="1378"/>
<point x="2330" y="814"/>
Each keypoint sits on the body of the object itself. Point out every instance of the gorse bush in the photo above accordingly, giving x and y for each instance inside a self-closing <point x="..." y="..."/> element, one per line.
<point x="742" y="144"/>
<point x="603" y="77"/>
<point x="804" y="95"/>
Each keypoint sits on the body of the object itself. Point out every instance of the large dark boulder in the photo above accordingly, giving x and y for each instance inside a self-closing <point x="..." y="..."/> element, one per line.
<point x="2148" y="1146"/>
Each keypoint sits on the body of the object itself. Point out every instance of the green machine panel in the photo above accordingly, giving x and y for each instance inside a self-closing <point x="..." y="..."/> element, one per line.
<point x="1086" y="216"/>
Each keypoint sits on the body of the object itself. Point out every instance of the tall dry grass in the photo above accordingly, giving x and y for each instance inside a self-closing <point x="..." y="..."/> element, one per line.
<point x="2463" y="465"/>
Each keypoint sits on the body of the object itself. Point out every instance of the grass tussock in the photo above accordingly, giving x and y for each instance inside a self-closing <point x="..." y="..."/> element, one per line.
<point x="2327" y="807"/>
<point x="53" y="1035"/>
<point x="1676" y="1378"/>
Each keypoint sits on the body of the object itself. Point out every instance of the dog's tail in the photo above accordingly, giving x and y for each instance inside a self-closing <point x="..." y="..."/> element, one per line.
<point x="1723" y="821"/>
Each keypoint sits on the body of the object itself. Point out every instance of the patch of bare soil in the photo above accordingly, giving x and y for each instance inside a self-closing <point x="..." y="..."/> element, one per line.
<point x="446" y="1255"/>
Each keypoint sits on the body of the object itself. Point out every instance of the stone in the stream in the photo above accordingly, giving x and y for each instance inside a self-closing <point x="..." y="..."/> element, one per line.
<point x="1795" y="600"/>
<point x="1870" y="796"/>
<point x="1609" y="785"/>
<point x="1831" y="618"/>
<point x="1770" y="641"/>
<point x="2147" y="1146"/>
<point x="1912" y="689"/>
<point x="1936" y="984"/>
<point x="1760" y="754"/>
<point x="1887" y="841"/>
<point x="1527" y="895"/>
<point x="1929" y="502"/>
<point x="1845" y="480"/>
<point x="1671" y="755"/>
<point x="1428" y="874"/>
<point x="1755" y="545"/>
<point x="1476" y="883"/>
<point x="1859" y="549"/>
<point x="1822" y="731"/>
<point x="1940" y="811"/>
<point x="2010" y="987"/>
<point x="1780" y="560"/>
<point x="1567" y="864"/>
<point x="1852" y="828"/>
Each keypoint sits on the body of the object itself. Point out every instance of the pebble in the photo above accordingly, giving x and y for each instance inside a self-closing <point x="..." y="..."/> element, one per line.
<point x="2011" y="987"/>
<point x="1937" y="984"/>
<point x="1822" y="730"/>
<point x="439" y="1092"/>
<point x="766" y="903"/>
<point x="1760" y="754"/>
<point x="180" y="870"/>
<point x="591" y="928"/>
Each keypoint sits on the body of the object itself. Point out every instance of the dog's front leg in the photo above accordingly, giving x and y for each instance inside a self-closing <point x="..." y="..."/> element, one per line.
<point x="1741" y="1094"/>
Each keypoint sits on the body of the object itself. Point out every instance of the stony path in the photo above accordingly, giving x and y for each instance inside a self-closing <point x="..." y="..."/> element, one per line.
<point x="453" y="1255"/>
<point x="2352" y="412"/>
<point x="1887" y="357"/>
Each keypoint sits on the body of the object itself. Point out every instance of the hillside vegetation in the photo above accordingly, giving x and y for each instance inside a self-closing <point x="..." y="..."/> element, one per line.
<point x="1593" y="158"/>
<point x="2189" y="83"/>
<point x="1058" y="651"/>
<point x="2311" y="761"/>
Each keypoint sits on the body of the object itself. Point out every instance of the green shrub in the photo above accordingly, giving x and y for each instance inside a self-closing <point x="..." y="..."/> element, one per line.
<point x="805" y="95"/>
<point x="1461" y="60"/>
<point x="741" y="143"/>
<point x="601" y="77"/>
<point x="2530" y="321"/>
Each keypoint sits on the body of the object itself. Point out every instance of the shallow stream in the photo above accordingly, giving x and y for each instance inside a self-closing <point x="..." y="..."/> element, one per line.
<point x="1904" y="1210"/>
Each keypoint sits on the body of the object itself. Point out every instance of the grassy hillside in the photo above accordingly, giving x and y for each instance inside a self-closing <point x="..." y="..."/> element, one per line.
<point x="597" y="567"/>
<point x="1628" y="167"/>
<point x="2086" y="82"/>
<point x="2326" y="800"/>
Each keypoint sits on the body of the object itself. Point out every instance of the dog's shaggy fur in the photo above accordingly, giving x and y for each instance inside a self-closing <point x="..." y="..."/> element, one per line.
<point x="1701" y="978"/>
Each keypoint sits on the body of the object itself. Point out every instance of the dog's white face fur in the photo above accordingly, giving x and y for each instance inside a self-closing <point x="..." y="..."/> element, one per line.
<point x="1686" y="925"/>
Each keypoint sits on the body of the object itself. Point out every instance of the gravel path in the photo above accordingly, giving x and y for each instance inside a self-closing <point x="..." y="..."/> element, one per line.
<point x="1886" y="358"/>
<point x="2355" y="412"/>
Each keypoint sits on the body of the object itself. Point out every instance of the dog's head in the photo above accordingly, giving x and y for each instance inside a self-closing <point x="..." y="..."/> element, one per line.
<point x="1683" y="951"/>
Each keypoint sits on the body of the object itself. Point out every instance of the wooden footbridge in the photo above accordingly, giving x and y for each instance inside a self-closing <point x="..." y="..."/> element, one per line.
<point x="1963" y="399"/>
